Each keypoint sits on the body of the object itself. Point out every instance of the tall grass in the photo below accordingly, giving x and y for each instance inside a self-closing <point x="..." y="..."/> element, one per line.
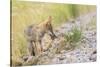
<point x="27" y="13"/>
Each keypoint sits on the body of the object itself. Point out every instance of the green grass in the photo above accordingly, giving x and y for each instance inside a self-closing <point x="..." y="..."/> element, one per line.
<point x="27" y="13"/>
<point x="74" y="36"/>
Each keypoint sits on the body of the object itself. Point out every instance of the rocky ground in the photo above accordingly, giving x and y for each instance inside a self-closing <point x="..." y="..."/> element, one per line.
<point x="86" y="52"/>
<point x="60" y="52"/>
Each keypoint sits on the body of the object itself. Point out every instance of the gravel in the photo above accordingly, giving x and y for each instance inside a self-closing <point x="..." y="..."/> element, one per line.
<point x="88" y="43"/>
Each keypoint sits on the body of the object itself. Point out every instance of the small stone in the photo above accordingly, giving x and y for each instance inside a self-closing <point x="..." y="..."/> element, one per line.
<point x="95" y="52"/>
<point x="93" y="58"/>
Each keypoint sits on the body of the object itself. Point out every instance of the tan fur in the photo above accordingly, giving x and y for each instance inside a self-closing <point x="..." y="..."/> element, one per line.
<point x="42" y="27"/>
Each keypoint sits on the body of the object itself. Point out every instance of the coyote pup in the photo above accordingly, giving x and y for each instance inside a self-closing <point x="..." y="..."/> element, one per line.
<point x="35" y="33"/>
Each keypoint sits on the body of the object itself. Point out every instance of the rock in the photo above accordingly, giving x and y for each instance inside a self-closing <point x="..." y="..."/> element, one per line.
<point x="62" y="57"/>
<point x="93" y="58"/>
<point x="94" y="52"/>
<point x="25" y="58"/>
<point x="55" y="61"/>
<point x="44" y="60"/>
<point x="31" y="61"/>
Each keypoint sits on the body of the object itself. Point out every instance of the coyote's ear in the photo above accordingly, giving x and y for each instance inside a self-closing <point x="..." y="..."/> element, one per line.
<point x="49" y="19"/>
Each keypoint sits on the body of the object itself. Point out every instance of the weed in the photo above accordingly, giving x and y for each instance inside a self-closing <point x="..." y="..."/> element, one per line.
<point x="73" y="37"/>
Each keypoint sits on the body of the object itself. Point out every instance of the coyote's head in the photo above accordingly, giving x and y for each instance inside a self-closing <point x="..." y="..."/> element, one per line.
<point x="50" y="28"/>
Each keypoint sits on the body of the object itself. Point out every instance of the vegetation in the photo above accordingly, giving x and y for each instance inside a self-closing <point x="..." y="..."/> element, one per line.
<point x="74" y="35"/>
<point x="73" y="38"/>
